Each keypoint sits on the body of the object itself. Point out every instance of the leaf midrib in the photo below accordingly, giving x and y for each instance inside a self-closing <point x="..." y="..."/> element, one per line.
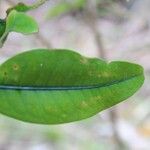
<point x="56" y="88"/>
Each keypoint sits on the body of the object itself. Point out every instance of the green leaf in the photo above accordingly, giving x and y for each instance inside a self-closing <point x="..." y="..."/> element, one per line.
<point x="60" y="86"/>
<point x="20" y="22"/>
<point x="21" y="7"/>
<point x="2" y="27"/>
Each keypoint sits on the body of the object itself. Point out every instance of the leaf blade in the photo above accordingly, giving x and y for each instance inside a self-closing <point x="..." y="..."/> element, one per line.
<point x="20" y="22"/>
<point x="67" y="105"/>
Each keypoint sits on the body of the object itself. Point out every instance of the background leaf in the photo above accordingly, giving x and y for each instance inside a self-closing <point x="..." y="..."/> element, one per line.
<point x="53" y="87"/>
<point x="65" y="7"/>
<point x="59" y="9"/>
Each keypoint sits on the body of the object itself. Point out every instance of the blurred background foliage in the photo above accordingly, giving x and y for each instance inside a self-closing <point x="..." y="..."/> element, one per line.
<point x="109" y="29"/>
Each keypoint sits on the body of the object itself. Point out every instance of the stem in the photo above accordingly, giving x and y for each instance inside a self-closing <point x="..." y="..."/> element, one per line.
<point x="3" y="38"/>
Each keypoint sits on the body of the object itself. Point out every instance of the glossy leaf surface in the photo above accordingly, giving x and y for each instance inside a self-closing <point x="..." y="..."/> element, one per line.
<point x="20" y="22"/>
<point x="60" y="86"/>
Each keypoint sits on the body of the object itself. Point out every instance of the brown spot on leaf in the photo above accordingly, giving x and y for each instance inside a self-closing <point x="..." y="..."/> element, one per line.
<point x="83" y="61"/>
<point x="84" y="104"/>
<point x="15" y="67"/>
